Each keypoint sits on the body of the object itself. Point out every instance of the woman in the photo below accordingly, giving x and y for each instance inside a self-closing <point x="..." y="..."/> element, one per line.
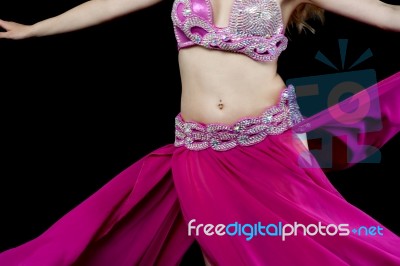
<point x="223" y="168"/>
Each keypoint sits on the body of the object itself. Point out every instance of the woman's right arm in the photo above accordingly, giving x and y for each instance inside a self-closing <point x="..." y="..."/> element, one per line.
<point x="88" y="14"/>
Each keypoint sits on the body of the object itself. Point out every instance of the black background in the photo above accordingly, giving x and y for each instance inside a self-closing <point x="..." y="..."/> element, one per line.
<point x="74" y="107"/>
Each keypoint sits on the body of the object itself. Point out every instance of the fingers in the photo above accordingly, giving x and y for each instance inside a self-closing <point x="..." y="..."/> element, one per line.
<point x="3" y="24"/>
<point x="7" y="25"/>
<point x="13" y="30"/>
<point x="9" y="28"/>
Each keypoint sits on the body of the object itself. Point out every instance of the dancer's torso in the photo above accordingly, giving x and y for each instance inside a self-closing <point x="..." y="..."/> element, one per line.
<point x="220" y="86"/>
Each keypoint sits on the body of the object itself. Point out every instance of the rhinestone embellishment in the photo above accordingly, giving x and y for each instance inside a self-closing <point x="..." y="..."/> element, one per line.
<point x="245" y="132"/>
<point x="255" y="28"/>
<point x="187" y="12"/>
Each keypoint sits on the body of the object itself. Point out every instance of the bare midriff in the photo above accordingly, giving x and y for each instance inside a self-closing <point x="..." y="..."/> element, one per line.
<point x="222" y="87"/>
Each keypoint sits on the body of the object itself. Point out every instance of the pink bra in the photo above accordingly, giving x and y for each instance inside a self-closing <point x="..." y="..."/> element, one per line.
<point x="255" y="28"/>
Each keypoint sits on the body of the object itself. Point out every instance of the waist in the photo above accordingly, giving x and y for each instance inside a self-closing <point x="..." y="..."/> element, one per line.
<point x="242" y="86"/>
<point x="246" y="131"/>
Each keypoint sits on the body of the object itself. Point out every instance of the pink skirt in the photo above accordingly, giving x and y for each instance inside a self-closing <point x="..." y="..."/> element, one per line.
<point x="261" y="199"/>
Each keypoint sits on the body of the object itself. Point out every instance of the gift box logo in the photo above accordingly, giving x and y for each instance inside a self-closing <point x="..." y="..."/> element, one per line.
<point x="318" y="93"/>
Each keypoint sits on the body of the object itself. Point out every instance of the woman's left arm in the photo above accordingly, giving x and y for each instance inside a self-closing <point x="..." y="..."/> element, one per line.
<point x="373" y="12"/>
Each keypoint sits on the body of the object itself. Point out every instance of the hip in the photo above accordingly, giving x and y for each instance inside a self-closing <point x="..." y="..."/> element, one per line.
<point x="244" y="131"/>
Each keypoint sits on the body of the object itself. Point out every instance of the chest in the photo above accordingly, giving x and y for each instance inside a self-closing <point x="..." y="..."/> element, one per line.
<point x="256" y="17"/>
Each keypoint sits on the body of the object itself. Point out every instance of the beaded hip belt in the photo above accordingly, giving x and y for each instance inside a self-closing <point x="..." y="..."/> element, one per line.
<point x="245" y="132"/>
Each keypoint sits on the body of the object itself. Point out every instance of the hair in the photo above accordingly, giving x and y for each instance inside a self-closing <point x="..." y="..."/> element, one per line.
<point x="303" y="13"/>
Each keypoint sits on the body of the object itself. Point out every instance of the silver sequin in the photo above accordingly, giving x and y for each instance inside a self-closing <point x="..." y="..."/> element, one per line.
<point x="255" y="28"/>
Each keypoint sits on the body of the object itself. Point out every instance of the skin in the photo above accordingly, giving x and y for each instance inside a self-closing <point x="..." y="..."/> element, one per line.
<point x="209" y="77"/>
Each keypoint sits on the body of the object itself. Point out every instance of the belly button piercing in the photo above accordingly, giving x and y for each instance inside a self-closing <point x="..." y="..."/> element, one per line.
<point x="220" y="105"/>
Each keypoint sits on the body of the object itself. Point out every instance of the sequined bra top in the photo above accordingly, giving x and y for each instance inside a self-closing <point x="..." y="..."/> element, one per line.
<point x="255" y="28"/>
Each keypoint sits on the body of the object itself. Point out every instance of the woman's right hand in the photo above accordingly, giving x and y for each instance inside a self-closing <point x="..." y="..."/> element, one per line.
<point x="14" y="30"/>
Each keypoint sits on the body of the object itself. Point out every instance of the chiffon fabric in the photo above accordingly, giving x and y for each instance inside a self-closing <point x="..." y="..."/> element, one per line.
<point x="142" y="216"/>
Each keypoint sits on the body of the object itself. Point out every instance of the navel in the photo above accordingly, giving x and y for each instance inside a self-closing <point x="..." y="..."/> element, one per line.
<point x="220" y="105"/>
